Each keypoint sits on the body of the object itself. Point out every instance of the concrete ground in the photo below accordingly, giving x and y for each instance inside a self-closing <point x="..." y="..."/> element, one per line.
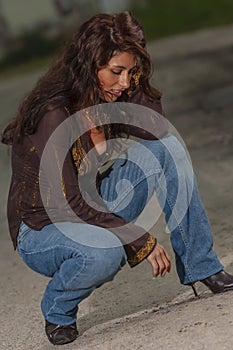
<point x="135" y="311"/>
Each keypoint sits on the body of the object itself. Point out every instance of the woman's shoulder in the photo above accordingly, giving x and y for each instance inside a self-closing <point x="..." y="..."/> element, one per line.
<point x="50" y="121"/>
<point x="53" y="117"/>
<point x="57" y="114"/>
<point x="153" y="101"/>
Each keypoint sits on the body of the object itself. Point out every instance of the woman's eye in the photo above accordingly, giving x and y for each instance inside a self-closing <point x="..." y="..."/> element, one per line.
<point x="116" y="72"/>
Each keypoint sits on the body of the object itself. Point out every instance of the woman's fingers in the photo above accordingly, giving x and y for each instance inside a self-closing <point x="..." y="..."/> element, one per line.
<point x="160" y="261"/>
<point x="168" y="259"/>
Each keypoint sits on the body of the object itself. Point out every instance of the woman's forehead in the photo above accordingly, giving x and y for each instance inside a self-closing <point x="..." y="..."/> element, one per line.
<point x="123" y="60"/>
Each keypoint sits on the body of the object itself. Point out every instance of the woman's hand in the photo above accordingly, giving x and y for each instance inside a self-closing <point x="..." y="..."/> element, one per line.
<point x="159" y="260"/>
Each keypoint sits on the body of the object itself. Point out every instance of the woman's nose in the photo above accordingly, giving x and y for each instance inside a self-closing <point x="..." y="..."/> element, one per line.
<point x="124" y="80"/>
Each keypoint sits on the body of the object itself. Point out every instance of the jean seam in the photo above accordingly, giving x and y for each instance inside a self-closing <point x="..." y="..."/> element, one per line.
<point x="50" y="248"/>
<point x="23" y="235"/>
<point x="68" y="289"/>
<point x="84" y="257"/>
<point x="122" y="197"/>
<point x="184" y="241"/>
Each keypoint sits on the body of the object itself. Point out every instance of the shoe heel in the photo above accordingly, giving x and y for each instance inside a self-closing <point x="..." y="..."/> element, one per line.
<point x="195" y="290"/>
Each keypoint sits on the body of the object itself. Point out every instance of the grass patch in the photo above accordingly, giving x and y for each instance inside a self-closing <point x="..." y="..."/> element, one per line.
<point x="161" y="18"/>
<point x="24" y="68"/>
<point x="31" y="50"/>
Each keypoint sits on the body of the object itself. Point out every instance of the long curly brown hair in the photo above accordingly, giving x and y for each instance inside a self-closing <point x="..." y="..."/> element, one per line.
<point x="72" y="81"/>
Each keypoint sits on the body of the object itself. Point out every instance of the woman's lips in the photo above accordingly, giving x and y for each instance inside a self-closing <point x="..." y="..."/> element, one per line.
<point x="116" y="93"/>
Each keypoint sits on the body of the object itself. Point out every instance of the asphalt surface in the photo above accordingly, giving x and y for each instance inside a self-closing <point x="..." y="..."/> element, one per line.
<point x="135" y="311"/>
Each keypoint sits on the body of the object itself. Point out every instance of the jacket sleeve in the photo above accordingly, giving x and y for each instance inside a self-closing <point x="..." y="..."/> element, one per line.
<point x="63" y="197"/>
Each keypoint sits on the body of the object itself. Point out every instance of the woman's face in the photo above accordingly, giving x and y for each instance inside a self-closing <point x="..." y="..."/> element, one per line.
<point x="115" y="77"/>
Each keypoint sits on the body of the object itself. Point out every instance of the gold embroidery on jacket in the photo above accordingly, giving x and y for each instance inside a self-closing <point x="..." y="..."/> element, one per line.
<point x="79" y="154"/>
<point x="80" y="159"/>
<point x="143" y="252"/>
<point x="60" y="172"/>
<point x="48" y="196"/>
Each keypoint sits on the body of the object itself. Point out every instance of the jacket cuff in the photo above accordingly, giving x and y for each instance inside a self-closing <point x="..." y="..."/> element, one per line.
<point x="143" y="252"/>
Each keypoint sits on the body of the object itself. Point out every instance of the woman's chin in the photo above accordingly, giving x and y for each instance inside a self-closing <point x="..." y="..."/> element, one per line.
<point x="110" y="98"/>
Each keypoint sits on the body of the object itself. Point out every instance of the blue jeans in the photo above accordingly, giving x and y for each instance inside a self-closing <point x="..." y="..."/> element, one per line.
<point x="77" y="269"/>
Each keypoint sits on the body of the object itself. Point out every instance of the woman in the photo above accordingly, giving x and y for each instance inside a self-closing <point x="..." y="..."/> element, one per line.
<point x="63" y="228"/>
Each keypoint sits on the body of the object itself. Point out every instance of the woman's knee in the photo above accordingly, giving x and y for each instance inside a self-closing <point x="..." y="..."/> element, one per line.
<point x="169" y="152"/>
<point x="105" y="263"/>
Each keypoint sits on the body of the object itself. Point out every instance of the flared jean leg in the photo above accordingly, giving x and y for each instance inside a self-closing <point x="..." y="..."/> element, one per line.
<point x="75" y="268"/>
<point x="163" y="166"/>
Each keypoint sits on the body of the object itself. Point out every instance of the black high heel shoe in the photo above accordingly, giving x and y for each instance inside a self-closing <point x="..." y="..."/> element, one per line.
<point x="59" y="335"/>
<point x="217" y="283"/>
